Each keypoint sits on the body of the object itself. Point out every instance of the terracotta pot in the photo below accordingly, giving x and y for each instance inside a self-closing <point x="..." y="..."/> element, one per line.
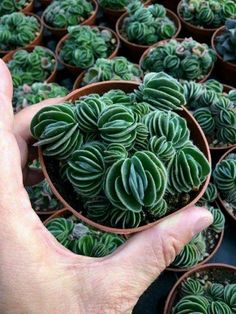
<point x="171" y="4"/>
<point x="221" y="202"/>
<point x="100" y="88"/>
<point x="163" y="42"/>
<point x="200" y="34"/>
<point x="37" y="40"/>
<point x="134" y="51"/>
<point x="61" y="212"/>
<point x="29" y="7"/>
<point x="60" y="32"/>
<point x="76" y="70"/>
<point x="225" y="70"/>
<point x="46" y="215"/>
<point x="214" y="269"/>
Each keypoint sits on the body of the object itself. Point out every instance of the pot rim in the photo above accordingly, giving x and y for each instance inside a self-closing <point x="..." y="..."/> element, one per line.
<point x="29" y="7"/>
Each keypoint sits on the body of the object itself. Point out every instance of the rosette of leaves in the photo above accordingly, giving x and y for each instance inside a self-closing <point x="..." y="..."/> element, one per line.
<point x="147" y="25"/>
<point x="82" y="239"/>
<point x="210" y="194"/>
<point x="113" y="4"/>
<point x="42" y="198"/>
<point x="85" y="44"/>
<point x="26" y="95"/>
<point x="207" y="14"/>
<point x="226" y="42"/>
<point x="10" y="6"/>
<point x="29" y="67"/>
<point x="64" y="13"/>
<point x="185" y="60"/>
<point x="17" y="30"/>
<point x="118" y="68"/>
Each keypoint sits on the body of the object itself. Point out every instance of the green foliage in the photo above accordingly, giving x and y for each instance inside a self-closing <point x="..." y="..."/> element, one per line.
<point x="113" y="4"/>
<point x="10" y="6"/>
<point x="147" y="25"/>
<point x="26" y="95"/>
<point x="226" y="42"/>
<point x="85" y="44"/>
<point x="29" y="67"/>
<point x="191" y="286"/>
<point x="210" y="195"/>
<point x="64" y="13"/>
<point x="118" y="68"/>
<point x="207" y="13"/>
<point x="17" y="30"/>
<point x="218" y="220"/>
<point x="186" y="60"/>
<point x="82" y="239"/>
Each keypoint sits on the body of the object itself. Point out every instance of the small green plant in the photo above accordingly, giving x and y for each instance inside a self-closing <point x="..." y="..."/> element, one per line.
<point x="64" y="13"/>
<point x="209" y="196"/>
<point x="207" y="13"/>
<point x="42" y="198"/>
<point x="118" y="68"/>
<point x="226" y="42"/>
<point x="114" y="4"/>
<point x="29" y="67"/>
<point x="85" y="44"/>
<point x="125" y="155"/>
<point x="26" y="95"/>
<point x="17" y="30"/>
<point x="147" y="25"/>
<point x="186" y="60"/>
<point x="83" y="240"/>
<point x="10" y="6"/>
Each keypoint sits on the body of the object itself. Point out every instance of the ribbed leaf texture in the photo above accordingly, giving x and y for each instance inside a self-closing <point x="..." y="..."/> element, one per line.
<point x="225" y="176"/>
<point x="10" y="6"/>
<point x="113" y="4"/>
<point x="210" y="194"/>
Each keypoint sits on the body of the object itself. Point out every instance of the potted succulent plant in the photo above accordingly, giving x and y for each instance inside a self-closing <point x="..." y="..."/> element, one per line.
<point x="26" y="95"/>
<point x="33" y="64"/>
<point x="215" y="111"/>
<point x="206" y="289"/>
<point x="224" y="44"/>
<point x="118" y="68"/>
<point x="59" y="15"/>
<point x="10" y="6"/>
<point x="225" y="180"/>
<point x="142" y="27"/>
<point x="83" y="45"/>
<point x="130" y="133"/>
<point x="201" y="18"/>
<point x="19" y="30"/>
<point x="184" y="59"/>
<point x="80" y="238"/>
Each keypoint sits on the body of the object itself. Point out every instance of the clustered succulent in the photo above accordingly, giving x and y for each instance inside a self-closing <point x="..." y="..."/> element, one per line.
<point x="83" y="240"/>
<point x="186" y="60"/>
<point x="125" y="155"/>
<point x="207" y="13"/>
<point x="17" y="30"/>
<point x="147" y="25"/>
<point x="10" y="6"/>
<point x="85" y="44"/>
<point x="118" y="68"/>
<point x="64" y="13"/>
<point x="42" y="198"/>
<point x="226" y="42"/>
<point x="225" y="179"/>
<point x="214" y="110"/>
<point x="206" y="297"/>
<point x="29" y="67"/>
<point x="114" y="4"/>
<point x="26" y="95"/>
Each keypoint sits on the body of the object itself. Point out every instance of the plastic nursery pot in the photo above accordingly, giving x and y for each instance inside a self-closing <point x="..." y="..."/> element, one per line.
<point x="171" y="4"/>
<point x="220" y="200"/>
<point x="198" y="33"/>
<point x="163" y="42"/>
<point x="64" y="192"/>
<point x="76" y="70"/>
<point x="29" y="7"/>
<point x="37" y="40"/>
<point x="216" y="272"/>
<point x="52" y="76"/>
<point x="135" y="51"/>
<point x="60" y="32"/>
<point x="225" y="70"/>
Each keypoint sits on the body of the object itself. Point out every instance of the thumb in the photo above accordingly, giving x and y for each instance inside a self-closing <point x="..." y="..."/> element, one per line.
<point x="148" y="253"/>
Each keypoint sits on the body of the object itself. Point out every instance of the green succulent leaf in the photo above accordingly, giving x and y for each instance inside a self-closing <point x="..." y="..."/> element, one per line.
<point x="114" y="4"/>
<point x="210" y="194"/>
<point x="230" y="296"/>
<point x="192" y="304"/>
<point x="61" y="229"/>
<point x="218" y="220"/>
<point x="10" y="6"/>
<point x="191" y="286"/>
<point x="215" y="292"/>
<point x="225" y="176"/>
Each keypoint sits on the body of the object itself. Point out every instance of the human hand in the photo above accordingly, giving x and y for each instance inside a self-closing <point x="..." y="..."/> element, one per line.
<point x="38" y="275"/>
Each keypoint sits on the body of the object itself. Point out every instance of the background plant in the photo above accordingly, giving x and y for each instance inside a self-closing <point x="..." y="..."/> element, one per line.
<point x="118" y="68"/>
<point x="147" y="25"/>
<point x="64" y="13"/>
<point x="29" y="67"/>
<point x="17" y="30"/>
<point x="114" y="4"/>
<point x="208" y="14"/>
<point x="10" y="6"/>
<point x="85" y="45"/>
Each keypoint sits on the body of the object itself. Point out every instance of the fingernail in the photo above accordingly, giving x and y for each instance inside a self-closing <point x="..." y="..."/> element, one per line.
<point x="203" y="222"/>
